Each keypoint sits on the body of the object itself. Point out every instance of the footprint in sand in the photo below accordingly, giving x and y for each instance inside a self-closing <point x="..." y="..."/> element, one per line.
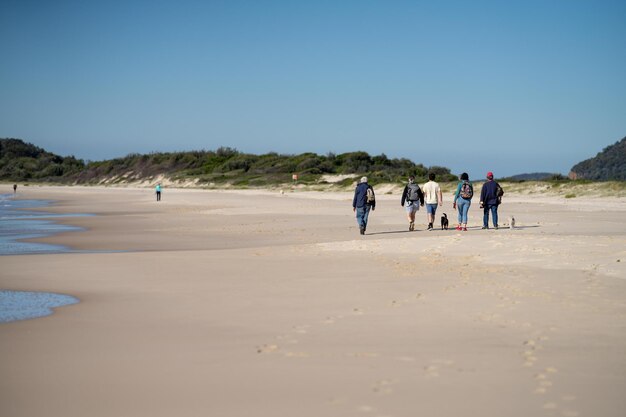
<point x="383" y="387"/>
<point x="287" y="339"/>
<point x="529" y="353"/>
<point x="357" y="312"/>
<point x="449" y="288"/>
<point x="267" y="349"/>
<point x="302" y="329"/>
<point x="543" y="380"/>
<point x="436" y="366"/>
<point x="297" y="355"/>
<point x="431" y="371"/>
<point x="363" y="355"/>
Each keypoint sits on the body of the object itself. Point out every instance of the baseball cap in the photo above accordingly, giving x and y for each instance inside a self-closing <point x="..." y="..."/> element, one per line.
<point x="490" y="175"/>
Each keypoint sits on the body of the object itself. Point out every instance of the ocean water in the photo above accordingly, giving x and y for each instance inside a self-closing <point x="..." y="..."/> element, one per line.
<point x="22" y="305"/>
<point x="17" y="222"/>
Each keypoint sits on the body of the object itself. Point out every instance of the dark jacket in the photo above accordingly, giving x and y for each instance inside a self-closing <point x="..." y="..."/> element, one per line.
<point x="406" y="192"/>
<point x="489" y="193"/>
<point x="360" y="196"/>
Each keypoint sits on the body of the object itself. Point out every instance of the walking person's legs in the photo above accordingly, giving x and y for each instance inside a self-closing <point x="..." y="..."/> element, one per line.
<point x="494" y="215"/>
<point x="463" y="206"/>
<point x="466" y="206"/>
<point x="486" y="217"/>
<point x="366" y="213"/>
<point x="361" y="218"/>
<point x="411" y="209"/>
<point x="431" y="209"/>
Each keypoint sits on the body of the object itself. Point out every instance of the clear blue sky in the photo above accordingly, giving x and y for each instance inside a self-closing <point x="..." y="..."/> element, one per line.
<point x="506" y="86"/>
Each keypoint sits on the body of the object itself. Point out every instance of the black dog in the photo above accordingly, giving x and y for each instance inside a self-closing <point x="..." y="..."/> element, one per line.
<point x="444" y="221"/>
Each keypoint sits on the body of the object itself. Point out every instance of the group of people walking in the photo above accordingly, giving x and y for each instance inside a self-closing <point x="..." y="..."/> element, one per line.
<point x="414" y="197"/>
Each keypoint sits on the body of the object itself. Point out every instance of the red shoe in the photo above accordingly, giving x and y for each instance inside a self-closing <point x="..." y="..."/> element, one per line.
<point x="458" y="228"/>
<point x="465" y="229"/>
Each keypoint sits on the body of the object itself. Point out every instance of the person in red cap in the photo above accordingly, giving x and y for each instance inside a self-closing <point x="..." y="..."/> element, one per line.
<point x="490" y="198"/>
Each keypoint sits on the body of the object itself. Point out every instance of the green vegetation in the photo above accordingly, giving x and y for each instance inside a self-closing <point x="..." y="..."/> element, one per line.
<point x="608" y="165"/>
<point x="227" y="167"/>
<point x="20" y="161"/>
<point x="535" y="176"/>
<point x="224" y="166"/>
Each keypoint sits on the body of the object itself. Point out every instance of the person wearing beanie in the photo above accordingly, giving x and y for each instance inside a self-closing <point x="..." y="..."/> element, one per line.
<point x="463" y="200"/>
<point x="490" y="198"/>
<point x="412" y="199"/>
<point x="364" y="200"/>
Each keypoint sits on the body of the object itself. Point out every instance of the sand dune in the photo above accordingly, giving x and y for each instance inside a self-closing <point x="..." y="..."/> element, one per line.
<point x="257" y="303"/>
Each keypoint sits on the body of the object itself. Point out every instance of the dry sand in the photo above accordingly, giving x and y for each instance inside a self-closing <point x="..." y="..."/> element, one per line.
<point x="242" y="303"/>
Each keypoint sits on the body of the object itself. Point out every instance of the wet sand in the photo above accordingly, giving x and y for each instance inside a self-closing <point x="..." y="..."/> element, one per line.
<point x="253" y="303"/>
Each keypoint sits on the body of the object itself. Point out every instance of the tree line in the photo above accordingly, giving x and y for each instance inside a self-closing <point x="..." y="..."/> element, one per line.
<point x="21" y="161"/>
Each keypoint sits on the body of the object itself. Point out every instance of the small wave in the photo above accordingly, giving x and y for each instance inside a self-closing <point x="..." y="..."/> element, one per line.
<point x="23" y="305"/>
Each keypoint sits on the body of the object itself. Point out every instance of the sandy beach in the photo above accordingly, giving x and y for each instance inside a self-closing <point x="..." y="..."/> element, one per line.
<point x="257" y="303"/>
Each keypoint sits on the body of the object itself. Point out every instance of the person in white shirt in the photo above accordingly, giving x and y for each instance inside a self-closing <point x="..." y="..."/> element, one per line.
<point x="432" y="198"/>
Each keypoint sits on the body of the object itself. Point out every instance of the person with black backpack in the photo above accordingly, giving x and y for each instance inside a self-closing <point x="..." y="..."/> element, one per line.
<point x="412" y="199"/>
<point x="463" y="200"/>
<point x="364" y="200"/>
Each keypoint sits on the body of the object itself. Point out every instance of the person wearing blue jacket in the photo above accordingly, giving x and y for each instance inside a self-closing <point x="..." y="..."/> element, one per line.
<point x="364" y="200"/>
<point x="490" y="196"/>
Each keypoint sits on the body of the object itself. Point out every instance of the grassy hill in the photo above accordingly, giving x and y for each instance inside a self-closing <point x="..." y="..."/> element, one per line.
<point x="21" y="161"/>
<point x="608" y="165"/>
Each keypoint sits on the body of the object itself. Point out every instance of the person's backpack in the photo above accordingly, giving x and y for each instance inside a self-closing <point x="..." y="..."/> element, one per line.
<point x="412" y="192"/>
<point x="371" y="198"/>
<point x="499" y="193"/>
<point x="467" y="192"/>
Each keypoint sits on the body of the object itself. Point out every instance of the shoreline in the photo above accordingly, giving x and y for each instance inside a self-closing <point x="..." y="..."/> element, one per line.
<point x="27" y="220"/>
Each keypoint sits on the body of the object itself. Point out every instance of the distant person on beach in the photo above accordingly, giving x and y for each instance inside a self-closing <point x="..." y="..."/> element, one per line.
<point x="432" y="198"/>
<point x="463" y="200"/>
<point x="158" y="191"/>
<point x="490" y="198"/>
<point x="14" y="188"/>
<point x="364" y="200"/>
<point x="412" y="199"/>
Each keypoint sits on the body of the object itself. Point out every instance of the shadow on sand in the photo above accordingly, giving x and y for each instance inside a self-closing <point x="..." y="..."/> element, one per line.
<point x="452" y="229"/>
